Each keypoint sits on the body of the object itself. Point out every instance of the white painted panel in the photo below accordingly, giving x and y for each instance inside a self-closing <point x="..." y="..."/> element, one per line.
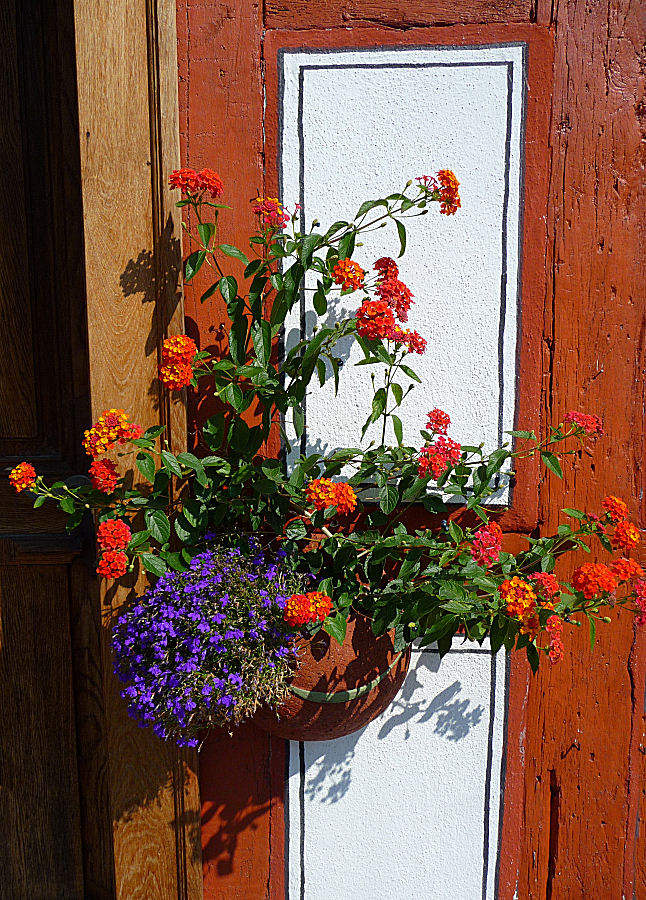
<point x="358" y="124"/>
<point x="410" y="805"/>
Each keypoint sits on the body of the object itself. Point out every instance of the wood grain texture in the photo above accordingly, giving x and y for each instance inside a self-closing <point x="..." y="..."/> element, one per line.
<point x="221" y="126"/>
<point x="128" y="136"/>
<point x="40" y="851"/>
<point x="395" y="14"/>
<point x="582" y="735"/>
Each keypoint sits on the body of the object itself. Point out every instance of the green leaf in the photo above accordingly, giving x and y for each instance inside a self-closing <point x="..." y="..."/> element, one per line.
<point x="138" y="538"/>
<point x="388" y="498"/>
<point x="253" y="267"/>
<point x="401" y="231"/>
<point x="336" y="627"/>
<point x="498" y="633"/>
<point x="308" y="245"/>
<point x="146" y="465"/>
<point x="193" y="264"/>
<point x="299" y="420"/>
<point x="261" y="337"/>
<point x="552" y="463"/>
<point x="398" y="429"/>
<point x="158" y="525"/>
<point x="192" y="462"/>
<point x="320" y="301"/>
<point x="593" y="631"/>
<point x="171" y="463"/>
<point x="575" y="513"/>
<point x="296" y="530"/>
<point x="67" y="505"/>
<point x="444" y="626"/>
<point x="533" y="657"/>
<point x="153" y="564"/>
<point x="456" y="532"/>
<point x="398" y="393"/>
<point x="228" y="288"/>
<point x="209" y="291"/>
<point x="230" y="250"/>
<point x="378" y="404"/>
<point x="408" y="371"/>
<point x="206" y="231"/>
<point x="367" y="205"/>
<point x="213" y="431"/>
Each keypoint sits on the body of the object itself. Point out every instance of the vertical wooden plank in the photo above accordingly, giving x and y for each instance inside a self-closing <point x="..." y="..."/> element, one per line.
<point x="128" y="137"/>
<point x="40" y="854"/>
<point x="584" y="773"/>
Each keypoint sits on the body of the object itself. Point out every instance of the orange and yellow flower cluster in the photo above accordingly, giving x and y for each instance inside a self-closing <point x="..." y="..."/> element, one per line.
<point x="520" y="598"/>
<point x="22" y="476"/>
<point x="272" y="213"/>
<point x="178" y="352"/>
<point x="348" y="274"/>
<point x="323" y="493"/>
<point x="593" y="579"/>
<point x="301" y="609"/>
<point x="112" y="427"/>
<point x="446" y="186"/>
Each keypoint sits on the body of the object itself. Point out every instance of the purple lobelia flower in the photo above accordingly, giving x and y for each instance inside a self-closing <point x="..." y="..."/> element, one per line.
<point x="206" y="646"/>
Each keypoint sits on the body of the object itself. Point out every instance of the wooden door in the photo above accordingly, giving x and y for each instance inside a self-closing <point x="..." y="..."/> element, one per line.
<point x="570" y="766"/>
<point x="91" y="807"/>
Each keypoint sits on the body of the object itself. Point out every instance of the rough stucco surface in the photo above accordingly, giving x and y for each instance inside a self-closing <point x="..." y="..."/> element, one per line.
<point x="361" y="132"/>
<point x="416" y="791"/>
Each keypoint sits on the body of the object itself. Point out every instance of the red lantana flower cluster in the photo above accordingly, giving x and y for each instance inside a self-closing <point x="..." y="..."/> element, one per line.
<point x="487" y="544"/>
<point x="375" y="319"/>
<point x="113" y="564"/>
<point x="301" y="609"/>
<point x="324" y="493"/>
<point x="348" y="274"/>
<point x="546" y="585"/>
<point x="438" y="421"/>
<point x="112" y="537"/>
<point x="178" y="352"/>
<point x="554" y="628"/>
<point x="391" y="289"/>
<point x="103" y="475"/>
<point x="434" y="459"/>
<point x="188" y="181"/>
<point x="22" y="476"/>
<point x="588" y="423"/>
<point x="112" y="427"/>
<point x="640" y="600"/>
<point x="113" y="534"/>
<point x="272" y="213"/>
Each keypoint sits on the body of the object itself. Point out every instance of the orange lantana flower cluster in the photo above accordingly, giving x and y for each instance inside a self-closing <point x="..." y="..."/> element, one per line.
<point x="113" y="534"/>
<point x="112" y="427"/>
<point x="113" y="564"/>
<point x="520" y="598"/>
<point x="626" y="569"/>
<point x="188" y="181"/>
<point x="348" y="274"/>
<point x="323" y="493"/>
<point x="449" y="196"/>
<point x="301" y="609"/>
<point x="593" y="579"/>
<point x="616" y="508"/>
<point x="178" y="352"/>
<point x="22" y="476"/>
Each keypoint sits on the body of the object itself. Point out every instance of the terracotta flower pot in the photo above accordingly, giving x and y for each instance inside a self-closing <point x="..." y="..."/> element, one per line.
<point x="364" y="664"/>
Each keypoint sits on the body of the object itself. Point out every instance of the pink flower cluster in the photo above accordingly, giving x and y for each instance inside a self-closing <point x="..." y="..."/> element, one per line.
<point x="587" y="422"/>
<point x="640" y="600"/>
<point x="487" y="544"/>
<point x="554" y="627"/>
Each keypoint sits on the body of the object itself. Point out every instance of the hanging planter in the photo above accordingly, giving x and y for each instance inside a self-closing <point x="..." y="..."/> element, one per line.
<point x="338" y="689"/>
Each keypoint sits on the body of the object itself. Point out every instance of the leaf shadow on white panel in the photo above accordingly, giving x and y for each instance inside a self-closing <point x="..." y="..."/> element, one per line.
<point x="450" y="714"/>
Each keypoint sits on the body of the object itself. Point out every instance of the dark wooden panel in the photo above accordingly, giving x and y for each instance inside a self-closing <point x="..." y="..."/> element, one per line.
<point x="18" y="413"/>
<point x="396" y="14"/>
<point x="40" y="853"/>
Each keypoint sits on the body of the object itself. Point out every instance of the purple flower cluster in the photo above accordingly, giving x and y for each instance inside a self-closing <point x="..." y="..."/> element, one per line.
<point x="206" y="646"/>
